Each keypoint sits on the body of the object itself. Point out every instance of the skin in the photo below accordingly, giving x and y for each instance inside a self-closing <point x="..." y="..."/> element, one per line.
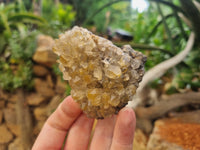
<point x="112" y="133"/>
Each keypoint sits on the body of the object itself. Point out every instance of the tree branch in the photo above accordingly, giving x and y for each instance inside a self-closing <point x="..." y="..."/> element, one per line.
<point x="191" y="116"/>
<point x="161" y="68"/>
<point x="165" y="105"/>
<point x="144" y="47"/>
<point x="178" y="9"/>
<point x="193" y="14"/>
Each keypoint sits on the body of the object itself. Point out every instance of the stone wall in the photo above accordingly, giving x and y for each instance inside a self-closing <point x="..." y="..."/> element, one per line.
<point x="22" y="113"/>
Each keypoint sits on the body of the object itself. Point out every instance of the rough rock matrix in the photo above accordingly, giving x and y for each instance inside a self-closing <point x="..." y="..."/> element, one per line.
<point x="103" y="77"/>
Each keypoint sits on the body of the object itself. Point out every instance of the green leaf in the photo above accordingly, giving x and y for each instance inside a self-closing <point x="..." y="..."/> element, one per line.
<point x="21" y="16"/>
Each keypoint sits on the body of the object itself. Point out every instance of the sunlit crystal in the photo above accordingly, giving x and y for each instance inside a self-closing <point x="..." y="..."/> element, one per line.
<point x="103" y="77"/>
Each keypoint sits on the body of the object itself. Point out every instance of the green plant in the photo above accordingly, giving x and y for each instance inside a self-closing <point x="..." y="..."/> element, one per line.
<point x="16" y="63"/>
<point x="158" y="26"/>
<point x="56" y="70"/>
<point x="22" y="47"/>
<point x="15" y="76"/>
<point x="60" y="17"/>
<point x="15" y="17"/>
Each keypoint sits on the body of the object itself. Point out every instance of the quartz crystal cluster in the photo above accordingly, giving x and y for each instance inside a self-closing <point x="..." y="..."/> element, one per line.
<point x="103" y="77"/>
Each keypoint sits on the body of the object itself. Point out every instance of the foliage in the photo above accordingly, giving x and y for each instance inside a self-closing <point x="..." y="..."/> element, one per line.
<point x="56" y="70"/>
<point x="15" y="17"/>
<point x="60" y="17"/>
<point x="12" y="78"/>
<point x="158" y="26"/>
<point x="16" y="64"/>
<point x="68" y="90"/>
<point x="22" y="47"/>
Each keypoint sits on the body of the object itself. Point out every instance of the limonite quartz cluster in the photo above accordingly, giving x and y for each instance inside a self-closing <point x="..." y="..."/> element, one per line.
<point x="103" y="77"/>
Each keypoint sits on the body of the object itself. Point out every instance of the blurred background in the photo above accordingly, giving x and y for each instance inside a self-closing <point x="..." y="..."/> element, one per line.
<point x="166" y="31"/>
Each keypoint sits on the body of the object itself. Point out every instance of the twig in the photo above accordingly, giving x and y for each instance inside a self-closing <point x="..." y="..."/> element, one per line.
<point x="170" y="5"/>
<point x="164" y="106"/>
<point x="144" y="47"/>
<point x="161" y="68"/>
<point x="191" y="116"/>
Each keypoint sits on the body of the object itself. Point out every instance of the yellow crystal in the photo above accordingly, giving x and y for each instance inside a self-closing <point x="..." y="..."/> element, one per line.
<point x="103" y="77"/>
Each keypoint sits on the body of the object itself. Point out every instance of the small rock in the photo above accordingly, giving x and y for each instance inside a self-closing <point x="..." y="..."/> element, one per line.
<point x="1" y="116"/>
<point x="38" y="127"/>
<point x="43" y="88"/>
<point x="2" y="103"/>
<point x="10" y="105"/>
<point x="14" y="128"/>
<point x="40" y="113"/>
<point x="55" y="101"/>
<point x="11" y="121"/>
<point x="3" y="146"/>
<point x="174" y="134"/>
<point x="40" y="70"/>
<point x="4" y="95"/>
<point x="35" y="99"/>
<point x="5" y="136"/>
<point x="16" y="145"/>
<point x="60" y="85"/>
<point x="50" y="81"/>
<point x="45" y="41"/>
<point x="13" y="98"/>
<point x="140" y="140"/>
<point x="10" y="115"/>
<point x="44" y="54"/>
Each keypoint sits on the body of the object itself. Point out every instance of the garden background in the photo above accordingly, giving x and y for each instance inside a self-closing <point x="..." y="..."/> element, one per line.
<point x="167" y="104"/>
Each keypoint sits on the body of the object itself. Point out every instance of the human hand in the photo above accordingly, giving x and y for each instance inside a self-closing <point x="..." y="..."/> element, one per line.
<point x="112" y="133"/>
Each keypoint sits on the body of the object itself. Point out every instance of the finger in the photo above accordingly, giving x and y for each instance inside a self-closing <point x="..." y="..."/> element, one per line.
<point x="54" y="130"/>
<point x="79" y="134"/>
<point x="124" y="130"/>
<point x="103" y="134"/>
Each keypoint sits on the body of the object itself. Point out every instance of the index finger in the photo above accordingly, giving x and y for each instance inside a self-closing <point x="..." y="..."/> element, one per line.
<point x="55" y="129"/>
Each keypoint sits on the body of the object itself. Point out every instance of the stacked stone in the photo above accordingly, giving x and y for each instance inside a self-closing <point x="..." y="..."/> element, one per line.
<point x="49" y="90"/>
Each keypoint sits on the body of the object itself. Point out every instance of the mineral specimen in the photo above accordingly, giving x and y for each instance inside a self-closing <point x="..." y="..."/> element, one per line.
<point x="103" y="77"/>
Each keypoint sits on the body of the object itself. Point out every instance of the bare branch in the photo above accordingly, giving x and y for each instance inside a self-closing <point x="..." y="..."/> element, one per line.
<point x="161" y="68"/>
<point x="144" y="47"/>
<point x="197" y="4"/>
<point x="185" y="19"/>
<point x="164" y="106"/>
<point x="178" y="9"/>
<point x="191" y="116"/>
